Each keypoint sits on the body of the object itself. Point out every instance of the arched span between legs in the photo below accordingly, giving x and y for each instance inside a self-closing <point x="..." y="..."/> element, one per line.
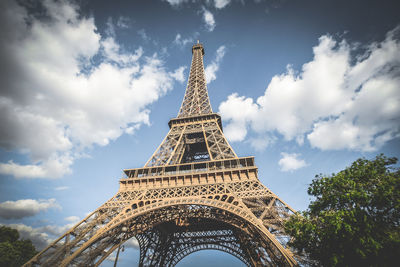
<point x="264" y="251"/>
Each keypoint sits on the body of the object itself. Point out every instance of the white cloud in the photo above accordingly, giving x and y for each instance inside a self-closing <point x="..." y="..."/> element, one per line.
<point x="41" y="237"/>
<point x="54" y="103"/>
<point x="112" y="257"/>
<point x="123" y="22"/>
<point x="132" y="243"/>
<point x="180" y="41"/>
<point x="260" y="143"/>
<point x="143" y="34"/>
<point x="179" y="74"/>
<point x="112" y="53"/>
<point x="110" y="27"/>
<point x="61" y="188"/>
<point x="52" y="167"/>
<point x="213" y="67"/>
<point x="290" y="162"/>
<point x="25" y="207"/>
<point x="334" y="103"/>
<point x="176" y="2"/>
<point x="237" y="129"/>
<point x="217" y="3"/>
<point x="360" y="127"/>
<point x="221" y="3"/>
<point x="209" y="20"/>
<point x="72" y="219"/>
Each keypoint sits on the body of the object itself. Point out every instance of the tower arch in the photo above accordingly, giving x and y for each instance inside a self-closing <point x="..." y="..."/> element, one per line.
<point x="194" y="180"/>
<point x="189" y="214"/>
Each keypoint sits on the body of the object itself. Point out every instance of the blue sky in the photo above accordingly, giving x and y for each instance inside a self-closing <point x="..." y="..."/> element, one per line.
<point x="87" y="89"/>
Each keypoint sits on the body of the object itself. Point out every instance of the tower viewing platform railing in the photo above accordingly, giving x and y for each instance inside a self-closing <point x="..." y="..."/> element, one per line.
<point x="205" y="172"/>
<point x="204" y="166"/>
<point x="196" y="118"/>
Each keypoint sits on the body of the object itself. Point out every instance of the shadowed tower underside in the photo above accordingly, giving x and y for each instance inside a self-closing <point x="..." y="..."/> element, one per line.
<point x="194" y="193"/>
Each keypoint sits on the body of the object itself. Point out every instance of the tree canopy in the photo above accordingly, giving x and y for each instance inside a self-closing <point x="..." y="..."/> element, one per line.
<point x="354" y="218"/>
<point x="13" y="251"/>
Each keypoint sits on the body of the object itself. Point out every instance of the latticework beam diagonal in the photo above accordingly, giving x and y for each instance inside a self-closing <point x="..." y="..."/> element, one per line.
<point x="194" y="193"/>
<point x="196" y="101"/>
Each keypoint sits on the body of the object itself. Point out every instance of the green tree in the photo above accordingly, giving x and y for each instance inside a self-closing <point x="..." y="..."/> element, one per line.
<point x="354" y="218"/>
<point x="13" y="251"/>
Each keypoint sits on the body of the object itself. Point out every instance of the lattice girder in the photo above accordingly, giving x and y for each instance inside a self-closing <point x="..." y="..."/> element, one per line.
<point x="178" y="140"/>
<point x="194" y="175"/>
<point x="196" y="100"/>
<point x="169" y="213"/>
<point x="232" y="198"/>
<point x="193" y="236"/>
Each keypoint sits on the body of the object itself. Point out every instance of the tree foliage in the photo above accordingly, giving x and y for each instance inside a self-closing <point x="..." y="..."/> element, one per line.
<point x="13" y="251"/>
<point x="354" y="219"/>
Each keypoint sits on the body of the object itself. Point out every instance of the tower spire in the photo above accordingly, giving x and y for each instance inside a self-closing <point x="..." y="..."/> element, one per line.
<point x="194" y="193"/>
<point x="196" y="100"/>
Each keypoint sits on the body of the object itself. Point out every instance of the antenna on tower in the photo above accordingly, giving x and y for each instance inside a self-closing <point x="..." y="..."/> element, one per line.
<point x="183" y="182"/>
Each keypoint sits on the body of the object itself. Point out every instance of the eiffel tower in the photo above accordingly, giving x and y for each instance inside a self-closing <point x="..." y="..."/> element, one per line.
<point x="194" y="193"/>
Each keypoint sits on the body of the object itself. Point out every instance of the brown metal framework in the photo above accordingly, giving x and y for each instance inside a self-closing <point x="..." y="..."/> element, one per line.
<point x="194" y="193"/>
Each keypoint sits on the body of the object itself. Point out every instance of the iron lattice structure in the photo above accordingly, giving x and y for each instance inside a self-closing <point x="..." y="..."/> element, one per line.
<point x="194" y="193"/>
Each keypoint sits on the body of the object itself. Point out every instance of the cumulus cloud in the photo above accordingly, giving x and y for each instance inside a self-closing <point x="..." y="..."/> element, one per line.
<point x="25" y="207"/>
<point x="54" y="102"/>
<point x="176" y="2"/>
<point x="72" y="219"/>
<point x="221" y="3"/>
<point x="61" y="188"/>
<point x="123" y="22"/>
<point x="53" y="167"/>
<point x="142" y="33"/>
<point x="209" y="20"/>
<point x="291" y="162"/>
<point x="337" y="100"/>
<point x="112" y="257"/>
<point x="179" y="74"/>
<point x="213" y="67"/>
<point x="260" y="143"/>
<point x="41" y="237"/>
<point x="236" y="130"/>
<point x="132" y="243"/>
<point x="181" y="41"/>
<point x="217" y="3"/>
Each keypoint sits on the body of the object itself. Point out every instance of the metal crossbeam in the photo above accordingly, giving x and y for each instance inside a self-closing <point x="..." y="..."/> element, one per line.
<point x="194" y="193"/>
